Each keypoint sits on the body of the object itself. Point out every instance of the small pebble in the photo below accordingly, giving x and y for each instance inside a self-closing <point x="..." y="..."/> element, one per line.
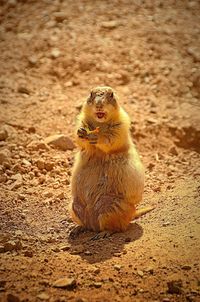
<point x="186" y="267"/>
<point x="43" y="296"/>
<point x="97" y="284"/>
<point x="3" y="134"/>
<point x="140" y="273"/>
<point x="28" y="253"/>
<point x="68" y="283"/>
<point x="87" y="253"/>
<point x="12" y="298"/>
<point x="23" y="89"/>
<point x="174" y="287"/>
<point x="117" y="267"/>
<point x="55" y="53"/>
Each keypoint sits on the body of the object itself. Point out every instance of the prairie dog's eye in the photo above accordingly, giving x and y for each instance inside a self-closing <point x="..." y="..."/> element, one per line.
<point x="111" y="98"/>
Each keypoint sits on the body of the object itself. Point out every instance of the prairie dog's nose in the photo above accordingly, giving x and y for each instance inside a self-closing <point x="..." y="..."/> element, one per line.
<point x="98" y="102"/>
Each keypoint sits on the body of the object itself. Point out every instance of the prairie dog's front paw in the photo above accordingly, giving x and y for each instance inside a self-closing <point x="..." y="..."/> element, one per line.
<point x="82" y="132"/>
<point x="92" y="137"/>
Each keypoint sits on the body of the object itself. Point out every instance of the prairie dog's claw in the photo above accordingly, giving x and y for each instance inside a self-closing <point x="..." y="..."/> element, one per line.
<point x="102" y="235"/>
<point x="87" y="134"/>
<point x="82" y="132"/>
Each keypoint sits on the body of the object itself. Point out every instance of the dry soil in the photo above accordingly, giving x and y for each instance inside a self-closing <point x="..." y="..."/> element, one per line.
<point x="51" y="54"/>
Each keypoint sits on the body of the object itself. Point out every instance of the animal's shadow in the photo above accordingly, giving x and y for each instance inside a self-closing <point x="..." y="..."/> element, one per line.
<point x="94" y="251"/>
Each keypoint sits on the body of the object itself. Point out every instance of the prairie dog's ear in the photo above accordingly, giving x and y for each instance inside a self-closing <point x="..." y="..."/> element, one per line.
<point x="111" y="98"/>
<point x="110" y="94"/>
<point x="91" y="97"/>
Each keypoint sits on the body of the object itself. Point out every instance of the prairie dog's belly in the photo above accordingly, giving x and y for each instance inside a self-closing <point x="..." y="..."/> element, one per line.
<point x="116" y="175"/>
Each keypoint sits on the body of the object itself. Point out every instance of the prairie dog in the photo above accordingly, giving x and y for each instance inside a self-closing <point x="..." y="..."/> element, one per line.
<point x="108" y="176"/>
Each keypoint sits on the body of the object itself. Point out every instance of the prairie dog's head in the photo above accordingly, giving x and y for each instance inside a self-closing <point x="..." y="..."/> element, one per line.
<point x="101" y="105"/>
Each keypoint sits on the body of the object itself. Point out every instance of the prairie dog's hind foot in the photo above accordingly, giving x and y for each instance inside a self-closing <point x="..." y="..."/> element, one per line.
<point x="102" y="235"/>
<point x="76" y="232"/>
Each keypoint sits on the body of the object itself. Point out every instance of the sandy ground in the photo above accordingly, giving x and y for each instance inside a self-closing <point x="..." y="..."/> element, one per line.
<point x="51" y="54"/>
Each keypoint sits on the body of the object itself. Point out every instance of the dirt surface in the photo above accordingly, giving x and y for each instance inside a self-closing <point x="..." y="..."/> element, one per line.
<point x="51" y="54"/>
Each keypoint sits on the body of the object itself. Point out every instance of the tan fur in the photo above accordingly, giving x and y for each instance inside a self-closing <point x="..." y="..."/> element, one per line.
<point x="108" y="176"/>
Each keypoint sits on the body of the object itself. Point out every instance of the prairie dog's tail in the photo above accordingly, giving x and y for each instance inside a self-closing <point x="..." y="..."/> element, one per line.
<point x="143" y="211"/>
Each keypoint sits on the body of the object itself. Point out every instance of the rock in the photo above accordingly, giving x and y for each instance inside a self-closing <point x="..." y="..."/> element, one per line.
<point x="11" y="3"/>
<point x="61" y="195"/>
<point x="88" y="253"/>
<point x="49" y="166"/>
<point x="55" y="53"/>
<point x="2" y="285"/>
<point x="78" y="249"/>
<point x="124" y="78"/>
<point x="37" y="145"/>
<point x="186" y="267"/>
<point x="195" y="53"/>
<point x="28" y="253"/>
<point x="18" y="181"/>
<point x="12" y="245"/>
<point x="4" y="156"/>
<point x="60" y="141"/>
<point x="68" y="283"/>
<point x="15" y="185"/>
<point x="173" y="151"/>
<point x="17" y="177"/>
<point x="150" y="270"/>
<point x="79" y="106"/>
<point x="21" y="196"/>
<point x="174" y="287"/>
<point x="25" y="162"/>
<point x="151" y="166"/>
<point x="12" y="298"/>
<point x="96" y="270"/>
<point x="157" y="189"/>
<point x="18" y="233"/>
<point x="40" y="164"/>
<point x="166" y="223"/>
<point x="79" y="299"/>
<point x="23" y="89"/>
<point x="64" y="247"/>
<point x="110" y="24"/>
<point x="32" y="60"/>
<point x="85" y="63"/>
<point x="140" y="273"/>
<point x="3" y="178"/>
<point x="117" y="254"/>
<point x="69" y="84"/>
<point x="31" y="129"/>
<point x="2" y="248"/>
<point x="169" y="173"/>
<point x="43" y="296"/>
<point x="47" y="194"/>
<point x="3" y="134"/>
<point x="60" y="16"/>
<point x="55" y="249"/>
<point x="117" y="267"/>
<point x="9" y="246"/>
<point x="97" y="284"/>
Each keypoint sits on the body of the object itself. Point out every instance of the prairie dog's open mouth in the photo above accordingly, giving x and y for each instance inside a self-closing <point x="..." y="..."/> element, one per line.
<point x="100" y="114"/>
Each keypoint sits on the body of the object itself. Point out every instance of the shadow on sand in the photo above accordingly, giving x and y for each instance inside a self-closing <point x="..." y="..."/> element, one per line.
<point x="94" y="251"/>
